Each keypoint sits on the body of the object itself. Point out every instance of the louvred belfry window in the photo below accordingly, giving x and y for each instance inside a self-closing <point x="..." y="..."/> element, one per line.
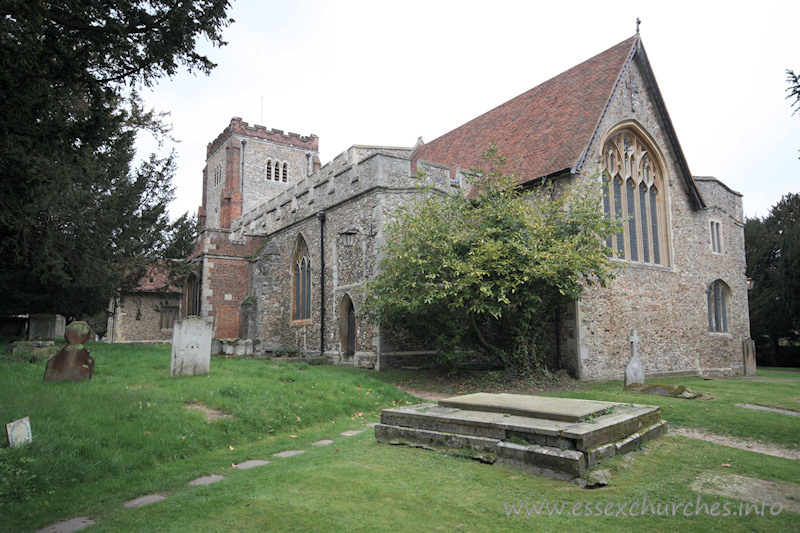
<point x="633" y="186"/>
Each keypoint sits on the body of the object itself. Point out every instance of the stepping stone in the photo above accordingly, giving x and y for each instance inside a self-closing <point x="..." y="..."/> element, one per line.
<point x="322" y="443"/>
<point x="67" y="526"/>
<point x="252" y="463"/>
<point x="145" y="500"/>
<point x="288" y="453"/>
<point x="206" y="480"/>
<point x="352" y="432"/>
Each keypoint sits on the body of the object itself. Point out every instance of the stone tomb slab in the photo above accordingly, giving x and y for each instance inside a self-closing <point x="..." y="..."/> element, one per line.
<point x="535" y="441"/>
<point x="562" y="409"/>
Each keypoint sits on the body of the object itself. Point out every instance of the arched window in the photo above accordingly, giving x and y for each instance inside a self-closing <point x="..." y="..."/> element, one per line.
<point x="301" y="282"/>
<point x="719" y="296"/>
<point x="269" y="169"/>
<point x="632" y="190"/>
<point x="285" y="171"/>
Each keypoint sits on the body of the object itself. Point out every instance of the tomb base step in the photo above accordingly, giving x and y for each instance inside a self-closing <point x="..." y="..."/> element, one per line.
<point x="622" y="421"/>
<point x="553" y="446"/>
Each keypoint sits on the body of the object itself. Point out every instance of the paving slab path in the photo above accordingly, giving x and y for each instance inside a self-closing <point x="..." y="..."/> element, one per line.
<point x="81" y="522"/>
<point x="288" y="453"/>
<point x="144" y="500"/>
<point x="68" y="526"/>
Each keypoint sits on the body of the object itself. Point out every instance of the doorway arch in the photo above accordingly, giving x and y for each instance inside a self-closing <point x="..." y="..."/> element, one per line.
<point x="347" y="328"/>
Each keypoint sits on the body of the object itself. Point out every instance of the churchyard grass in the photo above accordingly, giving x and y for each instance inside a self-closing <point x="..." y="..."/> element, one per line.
<point x="128" y="433"/>
<point x="132" y="417"/>
<point x="716" y="412"/>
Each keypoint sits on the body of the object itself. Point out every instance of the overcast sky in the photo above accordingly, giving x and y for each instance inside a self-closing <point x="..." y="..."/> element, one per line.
<point x="388" y="72"/>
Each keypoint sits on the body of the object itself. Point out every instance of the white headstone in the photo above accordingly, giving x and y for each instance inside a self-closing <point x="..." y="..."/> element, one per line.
<point x="191" y="347"/>
<point x="634" y="371"/>
<point x="19" y="432"/>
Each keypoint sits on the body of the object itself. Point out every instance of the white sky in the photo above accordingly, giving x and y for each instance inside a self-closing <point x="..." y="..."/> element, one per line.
<point x="386" y="72"/>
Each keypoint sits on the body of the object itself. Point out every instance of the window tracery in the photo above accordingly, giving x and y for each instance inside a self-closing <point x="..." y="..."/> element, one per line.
<point x="301" y="283"/>
<point x="632" y="191"/>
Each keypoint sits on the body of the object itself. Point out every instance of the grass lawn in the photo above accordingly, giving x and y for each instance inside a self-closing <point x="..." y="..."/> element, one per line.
<point x="128" y="433"/>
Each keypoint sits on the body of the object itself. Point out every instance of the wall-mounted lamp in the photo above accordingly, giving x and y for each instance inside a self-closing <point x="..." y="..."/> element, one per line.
<point x="750" y="283"/>
<point x="349" y="236"/>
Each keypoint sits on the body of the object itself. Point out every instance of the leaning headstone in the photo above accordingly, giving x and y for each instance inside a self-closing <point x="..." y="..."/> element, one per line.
<point x="191" y="347"/>
<point x="634" y="371"/>
<point x="72" y="362"/>
<point x="749" y="355"/>
<point x="19" y="432"/>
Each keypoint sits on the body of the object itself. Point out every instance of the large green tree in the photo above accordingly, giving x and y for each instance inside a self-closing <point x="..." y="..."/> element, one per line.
<point x="487" y="273"/>
<point x="772" y="247"/>
<point x="75" y="216"/>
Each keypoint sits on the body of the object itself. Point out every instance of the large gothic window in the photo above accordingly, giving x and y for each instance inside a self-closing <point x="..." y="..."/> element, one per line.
<point x="719" y="295"/>
<point x="633" y="191"/>
<point x="301" y="283"/>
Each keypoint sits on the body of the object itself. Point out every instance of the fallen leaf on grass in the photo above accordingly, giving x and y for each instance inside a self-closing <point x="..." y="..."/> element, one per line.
<point x="726" y="464"/>
<point x="234" y="465"/>
<point x="231" y="447"/>
<point x="292" y="436"/>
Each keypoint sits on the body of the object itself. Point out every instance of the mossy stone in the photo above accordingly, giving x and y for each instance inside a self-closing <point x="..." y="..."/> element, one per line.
<point x="77" y="332"/>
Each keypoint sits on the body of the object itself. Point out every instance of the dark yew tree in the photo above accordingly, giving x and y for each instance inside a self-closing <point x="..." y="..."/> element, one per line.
<point x="772" y="247"/>
<point x="77" y="221"/>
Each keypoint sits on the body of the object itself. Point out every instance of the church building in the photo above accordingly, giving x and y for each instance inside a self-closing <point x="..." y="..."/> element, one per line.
<point x="286" y="245"/>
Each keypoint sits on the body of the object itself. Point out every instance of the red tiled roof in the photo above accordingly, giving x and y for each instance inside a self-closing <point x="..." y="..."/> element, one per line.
<point x="542" y="131"/>
<point x="155" y="280"/>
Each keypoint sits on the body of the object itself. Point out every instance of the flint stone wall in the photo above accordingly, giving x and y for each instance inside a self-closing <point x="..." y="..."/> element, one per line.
<point x="359" y="192"/>
<point x="667" y="305"/>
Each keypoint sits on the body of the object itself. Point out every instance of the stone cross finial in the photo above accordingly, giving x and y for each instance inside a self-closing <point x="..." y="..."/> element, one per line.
<point x="638" y="21"/>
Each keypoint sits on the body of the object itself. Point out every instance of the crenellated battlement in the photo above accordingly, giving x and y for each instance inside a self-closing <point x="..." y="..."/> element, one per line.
<point x="239" y="127"/>
<point x="351" y="173"/>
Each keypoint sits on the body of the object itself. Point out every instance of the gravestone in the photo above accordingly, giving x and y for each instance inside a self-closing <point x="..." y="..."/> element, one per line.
<point x="19" y="432"/>
<point x="46" y="327"/>
<point x="191" y="347"/>
<point x="72" y="362"/>
<point x="634" y="371"/>
<point x="749" y="355"/>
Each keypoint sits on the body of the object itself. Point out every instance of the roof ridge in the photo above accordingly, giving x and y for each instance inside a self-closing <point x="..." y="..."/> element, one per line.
<point x="631" y="54"/>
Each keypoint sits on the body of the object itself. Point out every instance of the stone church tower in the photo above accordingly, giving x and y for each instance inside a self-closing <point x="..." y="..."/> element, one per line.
<point x="246" y="166"/>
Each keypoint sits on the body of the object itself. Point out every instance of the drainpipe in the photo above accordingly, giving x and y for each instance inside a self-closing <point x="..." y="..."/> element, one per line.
<point x="558" y="334"/>
<point x="321" y="217"/>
